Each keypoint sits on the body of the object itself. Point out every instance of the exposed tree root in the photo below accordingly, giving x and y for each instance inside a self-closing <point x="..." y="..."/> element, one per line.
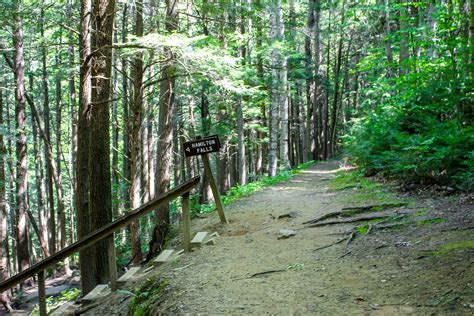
<point x="350" y="220"/>
<point x="375" y="207"/>
<point x="349" y="211"/>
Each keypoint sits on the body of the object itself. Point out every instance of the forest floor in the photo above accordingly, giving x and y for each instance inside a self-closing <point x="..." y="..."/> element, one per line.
<point x="416" y="258"/>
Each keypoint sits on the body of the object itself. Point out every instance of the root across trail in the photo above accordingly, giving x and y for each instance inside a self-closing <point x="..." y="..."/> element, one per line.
<point x="393" y="266"/>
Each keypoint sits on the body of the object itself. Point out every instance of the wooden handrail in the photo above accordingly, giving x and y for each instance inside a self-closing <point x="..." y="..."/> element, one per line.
<point x="99" y="234"/>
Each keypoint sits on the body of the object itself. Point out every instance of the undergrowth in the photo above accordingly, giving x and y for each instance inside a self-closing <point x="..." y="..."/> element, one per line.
<point x="53" y="303"/>
<point x="147" y="295"/>
<point x="240" y="191"/>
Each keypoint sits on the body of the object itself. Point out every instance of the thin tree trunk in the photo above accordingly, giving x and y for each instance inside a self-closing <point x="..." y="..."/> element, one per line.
<point x="46" y="118"/>
<point x="21" y="235"/>
<point x="73" y="112"/>
<point x="4" y="267"/>
<point x="135" y="139"/>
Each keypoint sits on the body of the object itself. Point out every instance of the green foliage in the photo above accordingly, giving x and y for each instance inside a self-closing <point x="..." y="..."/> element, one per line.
<point x="416" y="134"/>
<point x="241" y="191"/>
<point x="53" y="303"/>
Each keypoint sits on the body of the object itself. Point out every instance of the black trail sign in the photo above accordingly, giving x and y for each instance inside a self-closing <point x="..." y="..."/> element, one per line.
<point x="202" y="146"/>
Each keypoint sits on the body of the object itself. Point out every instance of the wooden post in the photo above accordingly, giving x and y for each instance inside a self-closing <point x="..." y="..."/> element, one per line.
<point x="186" y="223"/>
<point x="42" y="293"/>
<point x="112" y="263"/>
<point x="215" y="190"/>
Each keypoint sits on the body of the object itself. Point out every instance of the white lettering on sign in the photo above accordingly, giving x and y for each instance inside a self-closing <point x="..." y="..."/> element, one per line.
<point x="204" y="143"/>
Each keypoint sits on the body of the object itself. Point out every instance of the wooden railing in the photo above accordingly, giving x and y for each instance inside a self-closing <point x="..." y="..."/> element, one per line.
<point x="106" y="231"/>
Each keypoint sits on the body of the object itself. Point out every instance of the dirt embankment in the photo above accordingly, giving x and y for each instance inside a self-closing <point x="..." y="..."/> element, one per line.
<point x="407" y="255"/>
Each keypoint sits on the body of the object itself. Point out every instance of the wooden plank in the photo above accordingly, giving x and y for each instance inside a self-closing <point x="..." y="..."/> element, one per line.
<point x="99" y="234"/>
<point x="210" y="242"/>
<point x="129" y="275"/>
<point x="42" y="294"/>
<point x="215" y="190"/>
<point x="164" y="256"/>
<point x="198" y="239"/>
<point x="99" y="291"/>
<point x="186" y="223"/>
<point x="112" y="263"/>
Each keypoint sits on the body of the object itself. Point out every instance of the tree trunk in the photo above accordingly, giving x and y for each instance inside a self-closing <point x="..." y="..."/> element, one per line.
<point x="4" y="271"/>
<point x="51" y="215"/>
<point x="21" y="235"/>
<point x="81" y="197"/>
<point x="135" y="141"/>
<point x="403" y="37"/>
<point x="73" y="111"/>
<point x="278" y="92"/>
<point x="99" y="143"/>
<point x="165" y="132"/>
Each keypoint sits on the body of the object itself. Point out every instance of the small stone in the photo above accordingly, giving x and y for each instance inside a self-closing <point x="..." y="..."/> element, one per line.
<point x="286" y="233"/>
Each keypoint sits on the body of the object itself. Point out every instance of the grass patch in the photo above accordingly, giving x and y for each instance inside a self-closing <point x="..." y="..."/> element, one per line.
<point x="455" y="246"/>
<point x="240" y="191"/>
<point x="431" y="221"/>
<point x="364" y="190"/>
<point x="147" y="295"/>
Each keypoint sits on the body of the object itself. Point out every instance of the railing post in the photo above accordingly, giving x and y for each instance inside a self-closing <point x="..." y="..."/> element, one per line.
<point x="112" y="263"/>
<point x="215" y="190"/>
<point x="42" y="293"/>
<point x="186" y="223"/>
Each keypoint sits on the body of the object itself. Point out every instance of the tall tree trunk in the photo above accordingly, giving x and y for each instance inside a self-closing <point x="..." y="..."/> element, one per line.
<point x="61" y="204"/>
<point x="279" y="101"/>
<point x="51" y="215"/>
<point x="73" y="113"/>
<point x="21" y="235"/>
<point x="311" y="133"/>
<point x="318" y="87"/>
<point x="4" y="271"/>
<point x="81" y="197"/>
<point x="99" y="143"/>
<point x="135" y="141"/>
<point x="126" y="122"/>
<point x="39" y="188"/>
<point x="165" y="131"/>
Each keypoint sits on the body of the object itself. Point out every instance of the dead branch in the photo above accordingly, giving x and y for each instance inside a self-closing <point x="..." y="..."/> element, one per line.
<point x="266" y="272"/>
<point x="330" y="245"/>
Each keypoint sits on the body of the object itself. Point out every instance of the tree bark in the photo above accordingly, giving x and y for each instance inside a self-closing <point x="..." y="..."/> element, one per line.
<point x="99" y="143"/>
<point x="279" y="102"/>
<point x="165" y="131"/>
<point x="81" y="197"/>
<point x="135" y="141"/>
<point x="21" y="235"/>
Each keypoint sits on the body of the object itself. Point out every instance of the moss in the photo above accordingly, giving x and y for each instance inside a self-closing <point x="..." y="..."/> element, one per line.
<point x="455" y="246"/>
<point x="147" y="295"/>
<point x="431" y="221"/>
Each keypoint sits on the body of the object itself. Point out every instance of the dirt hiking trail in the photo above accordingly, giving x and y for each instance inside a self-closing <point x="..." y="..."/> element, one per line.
<point x="379" y="269"/>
